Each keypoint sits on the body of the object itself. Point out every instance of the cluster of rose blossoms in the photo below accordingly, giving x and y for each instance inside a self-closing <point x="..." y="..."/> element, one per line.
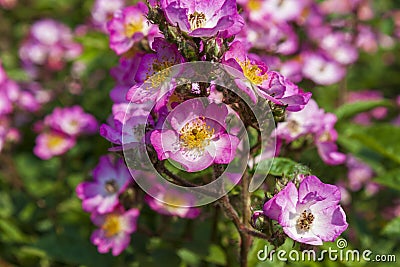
<point x="59" y="130"/>
<point x="327" y="43"/>
<point x="274" y="43"/>
<point x="48" y="47"/>
<point x="17" y="101"/>
<point x="150" y="39"/>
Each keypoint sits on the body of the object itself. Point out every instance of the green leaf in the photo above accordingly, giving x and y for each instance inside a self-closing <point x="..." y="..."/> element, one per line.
<point x="188" y="257"/>
<point x="9" y="231"/>
<point x="165" y="257"/>
<point x="6" y="205"/>
<point x="216" y="255"/>
<point x="351" y="109"/>
<point x="390" y="179"/>
<point x="392" y="228"/>
<point x="70" y="247"/>
<point x="383" y="139"/>
<point x="283" y="167"/>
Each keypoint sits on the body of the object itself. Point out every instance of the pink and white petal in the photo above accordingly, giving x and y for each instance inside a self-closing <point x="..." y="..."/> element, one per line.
<point x="164" y="142"/>
<point x="185" y="113"/>
<point x="272" y="209"/>
<point x="112" y="135"/>
<point x="192" y="213"/>
<point x="120" y="243"/>
<point x="302" y="236"/>
<point x="104" y="170"/>
<point x="88" y="190"/>
<point x="97" y="236"/>
<point x="329" y="223"/>
<point x="311" y="189"/>
<point x="90" y="204"/>
<point x="105" y="244"/>
<point x="198" y="163"/>
<point x="225" y="148"/>
<point x="282" y="204"/>
<point x="129" y="220"/>
<point x="97" y="219"/>
<point x="329" y="154"/>
<point x="108" y="204"/>
<point x="216" y="113"/>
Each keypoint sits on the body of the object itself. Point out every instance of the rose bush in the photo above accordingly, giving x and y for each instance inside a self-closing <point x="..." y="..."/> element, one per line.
<point x="76" y="80"/>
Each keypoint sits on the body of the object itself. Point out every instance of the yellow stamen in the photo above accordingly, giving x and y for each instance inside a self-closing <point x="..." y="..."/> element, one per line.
<point x="133" y="27"/>
<point x="305" y="220"/>
<point x="196" y="134"/>
<point x="161" y="72"/>
<point x="254" y="5"/>
<point x="112" y="225"/>
<point x="252" y="72"/>
<point x="197" y="20"/>
<point x="54" y="141"/>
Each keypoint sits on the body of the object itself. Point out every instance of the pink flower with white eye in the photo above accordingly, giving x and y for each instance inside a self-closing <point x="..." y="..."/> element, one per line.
<point x="310" y="214"/>
<point x="125" y="130"/>
<point x="50" y="43"/>
<point x="103" y="11"/>
<point x="321" y="70"/>
<point x="115" y="229"/>
<point x="359" y="173"/>
<point x="339" y="47"/>
<point x="110" y="180"/>
<point x="205" y="18"/>
<point x="72" y="121"/>
<point x="196" y="137"/>
<point x="153" y="72"/>
<point x="313" y="121"/>
<point x="127" y="27"/>
<point x="325" y="138"/>
<point x="179" y="204"/>
<point x="299" y="123"/>
<point x="284" y="10"/>
<point x="269" y="84"/>
<point x="255" y="10"/>
<point x="50" y="144"/>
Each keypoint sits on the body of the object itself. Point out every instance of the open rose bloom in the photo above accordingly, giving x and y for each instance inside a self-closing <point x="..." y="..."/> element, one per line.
<point x="110" y="180"/>
<point x="204" y="18"/>
<point x="115" y="229"/>
<point x="310" y="214"/>
<point x="196" y="137"/>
